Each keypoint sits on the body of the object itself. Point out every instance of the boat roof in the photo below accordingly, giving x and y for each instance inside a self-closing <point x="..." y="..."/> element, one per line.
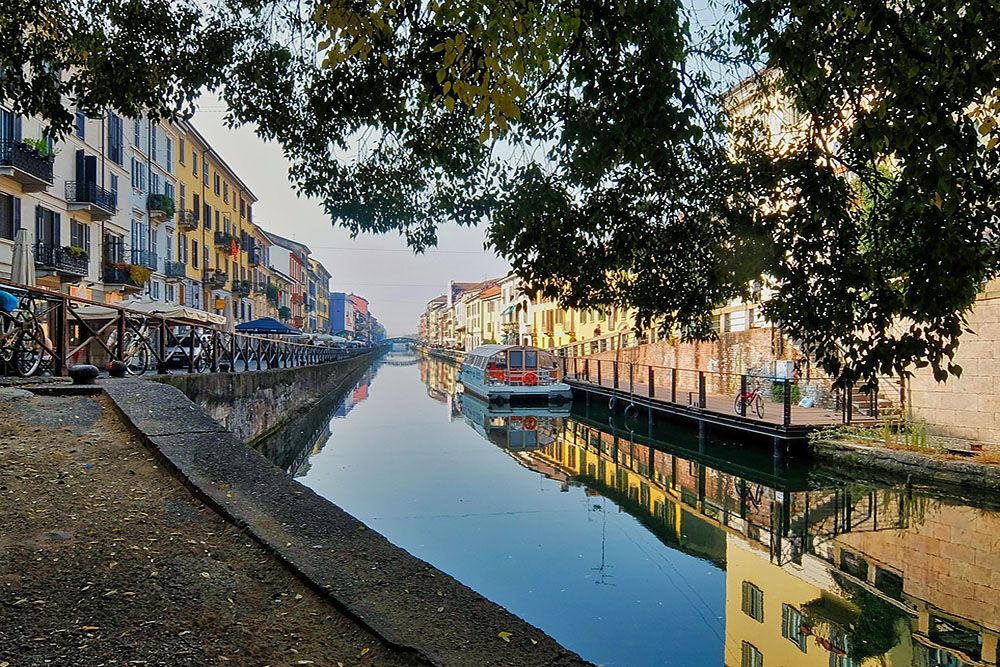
<point x="490" y="350"/>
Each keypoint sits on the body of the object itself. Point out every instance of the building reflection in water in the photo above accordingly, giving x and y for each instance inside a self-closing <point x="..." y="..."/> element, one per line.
<point x="819" y="572"/>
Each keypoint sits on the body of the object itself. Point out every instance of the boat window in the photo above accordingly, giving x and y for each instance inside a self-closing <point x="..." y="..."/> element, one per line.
<point x="516" y="358"/>
<point x="530" y="359"/>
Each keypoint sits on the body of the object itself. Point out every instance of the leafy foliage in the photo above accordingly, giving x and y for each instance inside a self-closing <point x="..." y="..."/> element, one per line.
<point x="592" y="138"/>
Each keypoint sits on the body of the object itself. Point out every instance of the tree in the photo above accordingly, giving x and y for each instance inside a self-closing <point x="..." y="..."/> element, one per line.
<point x="592" y="140"/>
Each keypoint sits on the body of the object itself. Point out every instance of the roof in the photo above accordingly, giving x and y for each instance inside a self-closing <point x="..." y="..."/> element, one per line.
<point x="490" y="292"/>
<point x="288" y="244"/>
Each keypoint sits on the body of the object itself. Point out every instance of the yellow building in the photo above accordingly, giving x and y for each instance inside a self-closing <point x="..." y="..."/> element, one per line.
<point x="216" y="234"/>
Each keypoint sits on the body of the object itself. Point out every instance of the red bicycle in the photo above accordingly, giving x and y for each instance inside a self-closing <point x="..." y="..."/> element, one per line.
<point x="752" y="400"/>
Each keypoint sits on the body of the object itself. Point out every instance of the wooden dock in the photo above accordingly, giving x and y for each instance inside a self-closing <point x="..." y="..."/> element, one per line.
<point x="703" y="397"/>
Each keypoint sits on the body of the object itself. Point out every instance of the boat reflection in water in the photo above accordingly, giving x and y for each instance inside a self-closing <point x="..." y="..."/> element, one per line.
<point x="513" y="428"/>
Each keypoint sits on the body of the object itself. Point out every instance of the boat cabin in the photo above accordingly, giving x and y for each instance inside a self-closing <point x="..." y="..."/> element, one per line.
<point x="513" y="365"/>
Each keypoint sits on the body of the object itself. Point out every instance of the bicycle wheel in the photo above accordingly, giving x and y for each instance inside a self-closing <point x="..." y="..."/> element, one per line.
<point x="136" y="356"/>
<point x="758" y="406"/>
<point x="28" y="351"/>
<point x="738" y="405"/>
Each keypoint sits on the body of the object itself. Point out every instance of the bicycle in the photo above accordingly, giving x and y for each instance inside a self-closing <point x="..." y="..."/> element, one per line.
<point x="135" y="351"/>
<point x="20" y="339"/>
<point x="753" y="399"/>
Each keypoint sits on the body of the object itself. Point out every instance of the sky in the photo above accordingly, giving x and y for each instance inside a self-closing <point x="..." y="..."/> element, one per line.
<point x="396" y="282"/>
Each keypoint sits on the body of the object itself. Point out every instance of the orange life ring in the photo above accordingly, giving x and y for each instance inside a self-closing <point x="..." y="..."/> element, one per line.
<point x="529" y="423"/>
<point x="530" y="379"/>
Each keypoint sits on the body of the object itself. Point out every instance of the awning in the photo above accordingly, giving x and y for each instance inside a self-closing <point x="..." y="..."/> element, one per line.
<point x="171" y="311"/>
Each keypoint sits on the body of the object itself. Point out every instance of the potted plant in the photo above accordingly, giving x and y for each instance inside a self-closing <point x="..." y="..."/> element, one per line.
<point x="76" y="252"/>
<point x="40" y="147"/>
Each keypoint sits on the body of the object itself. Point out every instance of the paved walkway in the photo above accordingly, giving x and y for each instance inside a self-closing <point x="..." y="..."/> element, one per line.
<point x="107" y="559"/>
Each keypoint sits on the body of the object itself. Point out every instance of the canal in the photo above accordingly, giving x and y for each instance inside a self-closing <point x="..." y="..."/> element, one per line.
<point x="639" y="546"/>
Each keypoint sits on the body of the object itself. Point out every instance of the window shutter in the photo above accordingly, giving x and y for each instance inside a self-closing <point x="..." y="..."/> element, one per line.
<point x="17" y="128"/>
<point x="38" y="222"/>
<point x="56" y="229"/>
<point x="16" y="213"/>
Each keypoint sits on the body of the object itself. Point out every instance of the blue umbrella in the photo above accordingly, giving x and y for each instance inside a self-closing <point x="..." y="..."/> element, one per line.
<point x="266" y="325"/>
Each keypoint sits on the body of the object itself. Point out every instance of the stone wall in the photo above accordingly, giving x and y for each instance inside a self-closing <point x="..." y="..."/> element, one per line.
<point x="967" y="407"/>
<point x="252" y="403"/>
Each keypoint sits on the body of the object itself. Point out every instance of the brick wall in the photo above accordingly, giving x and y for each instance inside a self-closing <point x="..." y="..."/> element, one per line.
<point x="967" y="407"/>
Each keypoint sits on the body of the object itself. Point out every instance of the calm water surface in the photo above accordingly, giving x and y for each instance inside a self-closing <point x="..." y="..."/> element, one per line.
<point x="634" y="546"/>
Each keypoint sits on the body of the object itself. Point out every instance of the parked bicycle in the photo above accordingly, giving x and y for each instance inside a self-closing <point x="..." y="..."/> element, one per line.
<point x="135" y="351"/>
<point x="21" y="338"/>
<point x="751" y="400"/>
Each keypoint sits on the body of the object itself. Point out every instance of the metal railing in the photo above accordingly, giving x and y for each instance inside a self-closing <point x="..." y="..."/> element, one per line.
<point x="808" y="398"/>
<point x="74" y="330"/>
<point x="214" y="279"/>
<point x="15" y="153"/>
<point x="187" y="220"/>
<point x="145" y="258"/>
<point x="224" y="240"/>
<point x="60" y="259"/>
<point x="175" y="269"/>
<point x="82" y="192"/>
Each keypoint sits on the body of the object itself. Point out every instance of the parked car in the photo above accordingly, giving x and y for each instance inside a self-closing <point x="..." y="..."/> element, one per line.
<point x="179" y="348"/>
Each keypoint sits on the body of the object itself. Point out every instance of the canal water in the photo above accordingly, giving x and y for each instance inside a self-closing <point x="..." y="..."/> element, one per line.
<point x="634" y="545"/>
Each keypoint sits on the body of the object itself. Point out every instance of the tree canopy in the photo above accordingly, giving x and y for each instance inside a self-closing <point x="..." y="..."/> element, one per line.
<point x="594" y="142"/>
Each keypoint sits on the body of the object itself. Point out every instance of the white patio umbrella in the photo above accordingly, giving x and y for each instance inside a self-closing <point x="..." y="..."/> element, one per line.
<point x="23" y="263"/>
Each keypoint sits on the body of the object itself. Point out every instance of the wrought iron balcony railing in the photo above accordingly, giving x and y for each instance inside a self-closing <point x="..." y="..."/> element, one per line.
<point x="215" y="279"/>
<point x="175" y="269"/>
<point x="187" y="220"/>
<point x="83" y="192"/>
<point x="63" y="260"/>
<point x="224" y="240"/>
<point x="20" y="157"/>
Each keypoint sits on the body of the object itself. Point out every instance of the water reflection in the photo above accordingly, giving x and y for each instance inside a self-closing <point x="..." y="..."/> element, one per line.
<point x="817" y="571"/>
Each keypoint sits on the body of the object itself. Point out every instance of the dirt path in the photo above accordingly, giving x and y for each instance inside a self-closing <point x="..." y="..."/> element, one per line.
<point x="107" y="560"/>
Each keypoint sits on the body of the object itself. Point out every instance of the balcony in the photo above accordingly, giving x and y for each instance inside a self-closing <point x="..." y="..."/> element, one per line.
<point x="125" y="276"/>
<point x="145" y="258"/>
<point x="175" y="271"/>
<point x="69" y="264"/>
<point x="224" y="240"/>
<point x="214" y="279"/>
<point x="91" y="198"/>
<point x="241" y="288"/>
<point x="187" y="221"/>
<point x="26" y="164"/>
<point x="298" y="299"/>
<point x="253" y="258"/>
<point x="160" y="207"/>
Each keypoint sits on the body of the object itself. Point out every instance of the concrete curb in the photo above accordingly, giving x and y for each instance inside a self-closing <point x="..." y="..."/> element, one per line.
<point x="406" y="601"/>
<point x="911" y="466"/>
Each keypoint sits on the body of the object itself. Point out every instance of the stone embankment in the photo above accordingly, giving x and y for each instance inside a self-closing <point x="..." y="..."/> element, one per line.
<point x="910" y="466"/>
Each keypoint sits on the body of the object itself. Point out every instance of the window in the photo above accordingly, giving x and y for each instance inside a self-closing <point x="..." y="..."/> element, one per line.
<point x="138" y="174"/>
<point x="196" y="206"/>
<point x="194" y="253"/>
<point x="208" y="216"/>
<point x="116" y="139"/>
<point x="80" y="124"/>
<point x="168" y="189"/>
<point x="47" y="224"/>
<point x="181" y="149"/>
<point x="170" y="156"/>
<point x="791" y="626"/>
<point x="217" y="227"/>
<point x="218" y="182"/>
<point x="243" y="208"/>
<point x="154" y="182"/>
<point x="137" y="132"/>
<point x="194" y="162"/>
<point x="204" y="174"/>
<point x="225" y="192"/>
<point x="249" y="213"/>
<point x="114" y="185"/>
<point x="10" y="216"/>
<point x="182" y="249"/>
<point x="169" y="296"/>
<point x="182" y="201"/>
<point x="751" y="656"/>
<point x="154" y="289"/>
<point x="79" y="234"/>
<point x="753" y="602"/>
<point x="152" y="142"/>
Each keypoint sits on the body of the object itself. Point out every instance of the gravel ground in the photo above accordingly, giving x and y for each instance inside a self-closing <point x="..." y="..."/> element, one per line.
<point x="107" y="560"/>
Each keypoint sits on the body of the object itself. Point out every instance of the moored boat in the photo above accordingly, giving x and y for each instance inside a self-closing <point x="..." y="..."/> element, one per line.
<point x="512" y="373"/>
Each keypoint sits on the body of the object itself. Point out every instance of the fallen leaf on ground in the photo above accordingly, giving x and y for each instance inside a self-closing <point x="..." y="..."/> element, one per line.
<point x="505" y="636"/>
